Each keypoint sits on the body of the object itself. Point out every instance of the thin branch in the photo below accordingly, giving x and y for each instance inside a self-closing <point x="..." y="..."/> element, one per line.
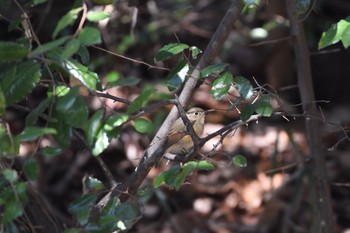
<point x="112" y="97"/>
<point x="130" y="59"/>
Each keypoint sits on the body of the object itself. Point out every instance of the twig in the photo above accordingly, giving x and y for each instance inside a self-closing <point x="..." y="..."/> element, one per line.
<point x="130" y="59"/>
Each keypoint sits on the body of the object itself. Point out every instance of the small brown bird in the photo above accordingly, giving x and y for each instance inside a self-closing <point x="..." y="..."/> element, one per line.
<point x="179" y="142"/>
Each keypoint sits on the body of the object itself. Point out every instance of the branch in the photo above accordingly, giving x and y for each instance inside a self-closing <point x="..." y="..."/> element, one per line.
<point x="154" y="153"/>
<point x="319" y="178"/>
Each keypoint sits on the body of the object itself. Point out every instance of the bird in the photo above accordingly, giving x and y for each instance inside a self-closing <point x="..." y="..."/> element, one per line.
<point x="179" y="141"/>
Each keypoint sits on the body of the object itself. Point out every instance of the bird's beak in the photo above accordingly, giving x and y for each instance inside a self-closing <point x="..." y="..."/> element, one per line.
<point x="208" y="111"/>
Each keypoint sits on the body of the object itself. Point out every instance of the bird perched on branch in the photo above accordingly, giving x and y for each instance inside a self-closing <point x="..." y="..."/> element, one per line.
<point x="179" y="141"/>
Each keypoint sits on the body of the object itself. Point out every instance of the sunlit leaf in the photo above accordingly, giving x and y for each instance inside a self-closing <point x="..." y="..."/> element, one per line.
<point x="9" y="174"/>
<point x="143" y="125"/>
<point x="95" y="16"/>
<point x="101" y="143"/>
<point x="93" y="184"/>
<point x="82" y="73"/>
<point x="244" y="87"/>
<point x="240" y="161"/>
<point x="169" y="51"/>
<point x="221" y="85"/>
<point x="195" y="51"/>
<point x="213" y="70"/>
<point x="177" y="76"/>
<point x="337" y="32"/>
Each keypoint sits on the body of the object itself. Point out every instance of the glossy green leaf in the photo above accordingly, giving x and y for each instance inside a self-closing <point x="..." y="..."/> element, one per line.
<point x="19" y="80"/>
<point x="11" y="51"/>
<point x="81" y="207"/>
<point x="169" y="51"/>
<point x="93" y="184"/>
<point x="213" y="70"/>
<point x="263" y="106"/>
<point x="247" y="111"/>
<point x="177" y="75"/>
<point x="67" y="19"/>
<point x="31" y="169"/>
<point x="337" y="32"/>
<point x="34" y="114"/>
<point x="50" y="45"/>
<point x="200" y="165"/>
<point x="244" y="87"/>
<point x="123" y="82"/>
<point x="141" y="100"/>
<point x="64" y="132"/>
<point x="82" y="73"/>
<point x="71" y="48"/>
<point x="51" y="151"/>
<point x="221" y="85"/>
<point x="195" y="51"/>
<point x="31" y="133"/>
<point x="93" y="126"/>
<point x="101" y="143"/>
<point x="240" y="161"/>
<point x="72" y="108"/>
<point x="113" y="123"/>
<point x="89" y="36"/>
<point x="143" y="125"/>
<point x="95" y="16"/>
<point x="169" y="177"/>
<point x="9" y="174"/>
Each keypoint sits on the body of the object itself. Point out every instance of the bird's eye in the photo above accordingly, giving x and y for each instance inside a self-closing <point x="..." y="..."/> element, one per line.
<point x="196" y="113"/>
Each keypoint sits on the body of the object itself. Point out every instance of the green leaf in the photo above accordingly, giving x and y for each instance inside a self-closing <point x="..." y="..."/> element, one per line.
<point x="11" y="51"/>
<point x="89" y="36"/>
<point x="19" y="80"/>
<point x="32" y="117"/>
<point x="201" y="165"/>
<point x="51" y="151"/>
<point x="93" y="126"/>
<point x="143" y="125"/>
<point x="12" y="210"/>
<point x="36" y="2"/>
<point x="221" y="85"/>
<point x="64" y="132"/>
<point x="247" y="111"/>
<point x="81" y="207"/>
<point x="113" y="123"/>
<point x="95" y="16"/>
<point x="337" y="32"/>
<point x="169" y="177"/>
<point x="50" y="45"/>
<point x="31" y="169"/>
<point x="195" y="51"/>
<point x="103" y="2"/>
<point x="67" y="20"/>
<point x="141" y="100"/>
<point x="71" y="48"/>
<point x="177" y="75"/>
<point x="101" y="143"/>
<point x="93" y="184"/>
<point x="82" y="73"/>
<point x="31" y="133"/>
<point x="213" y="70"/>
<point x="84" y="55"/>
<point x="72" y="108"/>
<point x="263" y="106"/>
<point x="240" y="161"/>
<point x="244" y="87"/>
<point x="9" y="174"/>
<point x="169" y="51"/>
<point x="123" y="82"/>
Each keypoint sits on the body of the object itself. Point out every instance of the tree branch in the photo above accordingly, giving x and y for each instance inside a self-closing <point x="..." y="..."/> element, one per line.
<point x="317" y="165"/>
